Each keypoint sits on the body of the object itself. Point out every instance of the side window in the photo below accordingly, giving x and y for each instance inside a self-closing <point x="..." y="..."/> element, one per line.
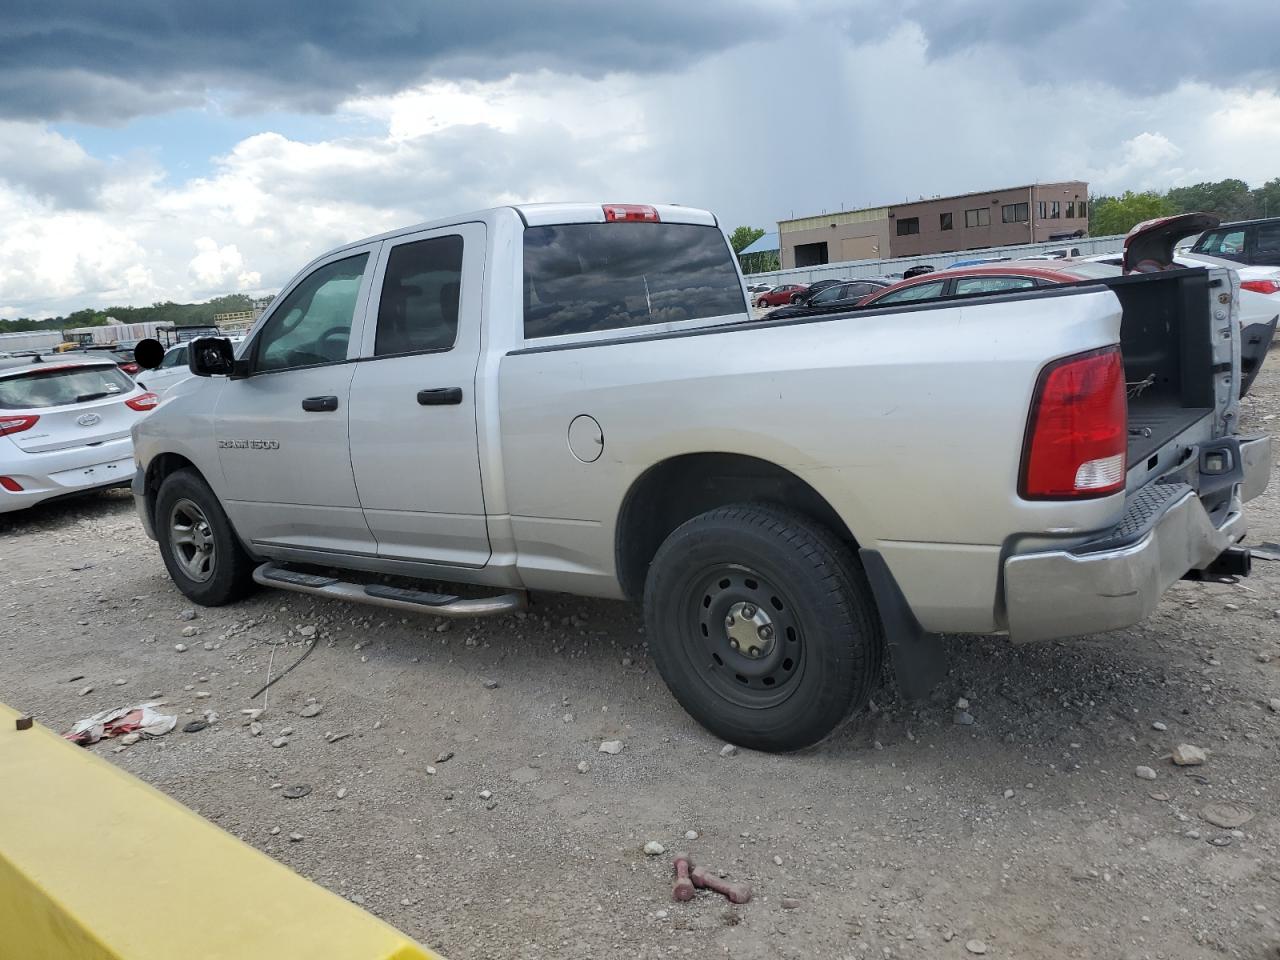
<point x="859" y="290"/>
<point x="1222" y="243"/>
<point x="830" y="294"/>
<point x="1267" y="243"/>
<point x="174" y="358"/>
<point x="992" y="284"/>
<point x="419" y="306"/>
<point x="313" y="325"/>
<point x="920" y="291"/>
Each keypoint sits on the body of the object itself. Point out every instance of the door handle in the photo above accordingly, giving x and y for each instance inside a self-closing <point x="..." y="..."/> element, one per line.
<point x="440" y="396"/>
<point x="320" y="404"/>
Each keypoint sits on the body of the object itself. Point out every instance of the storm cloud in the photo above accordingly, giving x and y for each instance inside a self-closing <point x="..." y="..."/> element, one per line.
<point x="97" y="62"/>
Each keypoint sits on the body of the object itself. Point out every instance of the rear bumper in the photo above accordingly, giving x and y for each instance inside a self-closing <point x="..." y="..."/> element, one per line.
<point x="1113" y="583"/>
<point x="60" y="473"/>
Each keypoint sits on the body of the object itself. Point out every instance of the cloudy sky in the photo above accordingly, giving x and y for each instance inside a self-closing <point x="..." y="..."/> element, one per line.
<point x="155" y="150"/>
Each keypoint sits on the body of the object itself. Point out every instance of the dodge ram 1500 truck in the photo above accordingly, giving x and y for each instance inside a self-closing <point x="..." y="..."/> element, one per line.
<point x="573" y="397"/>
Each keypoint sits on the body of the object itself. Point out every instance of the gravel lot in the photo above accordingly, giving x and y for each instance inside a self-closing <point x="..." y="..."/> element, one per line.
<point x="908" y="835"/>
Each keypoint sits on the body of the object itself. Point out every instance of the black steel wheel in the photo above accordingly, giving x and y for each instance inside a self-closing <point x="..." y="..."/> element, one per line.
<point x="200" y="549"/>
<point x="763" y="626"/>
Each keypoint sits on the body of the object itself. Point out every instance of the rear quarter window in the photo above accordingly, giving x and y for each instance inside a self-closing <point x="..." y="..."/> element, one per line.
<point x="59" y="387"/>
<point x="587" y="277"/>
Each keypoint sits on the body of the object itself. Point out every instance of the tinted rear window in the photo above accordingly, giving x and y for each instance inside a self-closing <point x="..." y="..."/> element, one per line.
<point x="55" y="388"/>
<point x="582" y="277"/>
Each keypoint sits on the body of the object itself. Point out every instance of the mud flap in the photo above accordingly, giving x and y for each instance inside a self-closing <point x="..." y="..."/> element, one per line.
<point x="1255" y="340"/>
<point x="918" y="658"/>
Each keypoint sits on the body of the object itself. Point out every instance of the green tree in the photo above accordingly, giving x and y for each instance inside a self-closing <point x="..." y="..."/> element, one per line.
<point x="1228" y="199"/>
<point x="743" y="237"/>
<point x="1266" y="199"/>
<point x="1113" y="215"/>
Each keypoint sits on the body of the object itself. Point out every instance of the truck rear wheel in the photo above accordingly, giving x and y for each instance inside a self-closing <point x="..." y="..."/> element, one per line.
<point x="763" y="626"/>
<point x="199" y="548"/>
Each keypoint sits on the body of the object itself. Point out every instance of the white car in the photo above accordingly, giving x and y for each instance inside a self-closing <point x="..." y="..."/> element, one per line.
<point x="172" y="370"/>
<point x="64" y="427"/>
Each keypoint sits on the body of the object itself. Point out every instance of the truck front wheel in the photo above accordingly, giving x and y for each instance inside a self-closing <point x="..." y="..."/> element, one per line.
<point x="199" y="548"/>
<point x="763" y="626"/>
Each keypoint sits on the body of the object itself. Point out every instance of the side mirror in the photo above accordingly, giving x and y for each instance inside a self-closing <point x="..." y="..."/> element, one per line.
<point x="148" y="354"/>
<point x="211" y="357"/>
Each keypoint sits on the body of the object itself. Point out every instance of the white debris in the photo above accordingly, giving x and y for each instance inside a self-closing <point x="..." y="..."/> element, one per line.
<point x="611" y="746"/>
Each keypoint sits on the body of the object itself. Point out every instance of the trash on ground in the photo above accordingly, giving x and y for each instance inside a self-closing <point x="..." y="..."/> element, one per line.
<point x="143" y="718"/>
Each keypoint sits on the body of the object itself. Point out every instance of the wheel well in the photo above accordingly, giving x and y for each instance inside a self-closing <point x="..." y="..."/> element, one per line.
<point x="676" y="490"/>
<point x="161" y="466"/>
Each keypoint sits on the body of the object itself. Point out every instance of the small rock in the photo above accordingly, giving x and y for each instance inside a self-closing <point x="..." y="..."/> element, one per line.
<point x="444" y="756"/>
<point x="129" y="739"/>
<point x="295" y="837"/>
<point x="180" y="647"/>
<point x="1274" y="704"/>
<point x="187" y="614"/>
<point x="296" y="792"/>
<point x="611" y="746"/>
<point x="86" y="691"/>
<point x="963" y="717"/>
<point x="962" y="704"/>
<point x="976" y="946"/>
<point x="1159" y="796"/>
<point x="195" y="726"/>
<point x="190" y="631"/>
<point x="310" y="710"/>
<point x="119" y="681"/>
<point x="486" y="795"/>
<point x="691" y="834"/>
<point x="1144" y="773"/>
<point x="342" y="792"/>
<point x="431" y="771"/>
<point x="307" y="631"/>
<point x="287" y="732"/>
<point x="253" y="713"/>
<point x="491" y="684"/>
<point x="275" y="831"/>
<point x="280" y="742"/>
<point x="777" y="861"/>
<point x="1157" y="725"/>
<point x="255" y="729"/>
<point x="654" y="849"/>
<point x="583" y="766"/>
<point x="202" y="694"/>
<point x="728" y="750"/>
<point x="1008" y="794"/>
<point x="1186" y="755"/>
<point x="790" y="903"/>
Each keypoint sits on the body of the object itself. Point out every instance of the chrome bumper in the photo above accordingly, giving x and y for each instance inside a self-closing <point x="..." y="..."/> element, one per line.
<point x="1087" y="589"/>
<point x="139" y="488"/>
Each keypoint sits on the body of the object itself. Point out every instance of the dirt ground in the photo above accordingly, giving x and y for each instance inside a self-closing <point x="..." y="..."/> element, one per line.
<point x="907" y="835"/>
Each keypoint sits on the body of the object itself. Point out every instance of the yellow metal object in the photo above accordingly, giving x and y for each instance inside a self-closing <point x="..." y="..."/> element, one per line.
<point x="96" y="865"/>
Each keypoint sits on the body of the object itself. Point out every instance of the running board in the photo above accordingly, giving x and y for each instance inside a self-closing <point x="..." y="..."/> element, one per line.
<point x="379" y="595"/>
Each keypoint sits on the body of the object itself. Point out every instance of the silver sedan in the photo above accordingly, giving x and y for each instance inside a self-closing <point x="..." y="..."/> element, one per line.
<point x="64" y="427"/>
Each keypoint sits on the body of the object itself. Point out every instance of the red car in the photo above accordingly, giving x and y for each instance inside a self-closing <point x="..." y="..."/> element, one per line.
<point x="987" y="278"/>
<point x="784" y="293"/>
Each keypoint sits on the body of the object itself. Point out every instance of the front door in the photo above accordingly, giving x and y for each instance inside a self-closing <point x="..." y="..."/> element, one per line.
<point x="282" y="431"/>
<point x="413" y="406"/>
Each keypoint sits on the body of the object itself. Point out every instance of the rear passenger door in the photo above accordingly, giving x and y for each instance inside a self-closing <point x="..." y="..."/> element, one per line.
<point x="1266" y="245"/>
<point x="414" y="448"/>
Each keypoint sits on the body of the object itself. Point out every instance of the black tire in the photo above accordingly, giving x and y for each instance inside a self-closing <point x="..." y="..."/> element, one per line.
<point x="229" y="570"/>
<point x="825" y="648"/>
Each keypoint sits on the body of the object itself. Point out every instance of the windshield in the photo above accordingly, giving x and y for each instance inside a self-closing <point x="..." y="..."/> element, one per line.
<point x="55" y="387"/>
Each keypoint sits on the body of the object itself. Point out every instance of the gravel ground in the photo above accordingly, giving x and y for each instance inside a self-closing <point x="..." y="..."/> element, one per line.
<point x="907" y="835"/>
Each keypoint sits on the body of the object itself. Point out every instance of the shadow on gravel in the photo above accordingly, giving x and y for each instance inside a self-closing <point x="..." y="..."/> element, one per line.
<point x="97" y="505"/>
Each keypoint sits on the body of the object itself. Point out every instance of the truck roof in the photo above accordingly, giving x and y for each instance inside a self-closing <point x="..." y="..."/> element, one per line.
<point x="543" y="214"/>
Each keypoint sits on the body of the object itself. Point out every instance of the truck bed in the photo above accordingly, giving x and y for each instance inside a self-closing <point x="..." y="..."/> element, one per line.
<point x="1154" y="421"/>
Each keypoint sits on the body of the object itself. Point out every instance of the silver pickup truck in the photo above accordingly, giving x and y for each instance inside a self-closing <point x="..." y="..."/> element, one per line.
<point x="575" y="398"/>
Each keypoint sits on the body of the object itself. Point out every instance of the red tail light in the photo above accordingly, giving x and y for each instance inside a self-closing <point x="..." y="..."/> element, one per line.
<point x="130" y="368"/>
<point x="15" y="424"/>
<point x="1078" y="433"/>
<point x="143" y="401"/>
<point x="1261" y="286"/>
<point x="638" y="212"/>
<point x="10" y="484"/>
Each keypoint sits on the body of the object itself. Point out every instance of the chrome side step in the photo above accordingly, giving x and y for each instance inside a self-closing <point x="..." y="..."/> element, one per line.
<point x="379" y="595"/>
